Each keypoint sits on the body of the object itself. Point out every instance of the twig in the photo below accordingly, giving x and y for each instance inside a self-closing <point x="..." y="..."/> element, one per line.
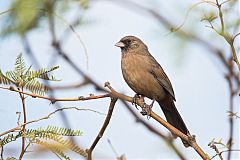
<point x="47" y="117"/>
<point x="156" y="117"/>
<point x="113" y="149"/>
<point x="23" y="126"/>
<point x="213" y="146"/>
<point x="234" y="37"/>
<point x="152" y="129"/>
<point x="104" y="126"/>
<point x="53" y="100"/>
<point x="225" y="2"/>
<point x="220" y="153"/>
<point x="225" y="36"/>
<point x="230" y="118"/>
<point x="219" y="6"/>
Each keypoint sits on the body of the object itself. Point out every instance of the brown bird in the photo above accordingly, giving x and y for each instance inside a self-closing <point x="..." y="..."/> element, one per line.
<point x="145" y="76"/>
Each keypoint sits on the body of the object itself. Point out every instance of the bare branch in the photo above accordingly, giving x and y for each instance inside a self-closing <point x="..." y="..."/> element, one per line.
<point x="47" y="117"/>
<point x="213" y="146"/>
<point x="156" y="117"/>
<point x="102" y="130"/>
<point x="53" y="100"/>
<point x="22" y="97"/>
<point x="152" y="129"/>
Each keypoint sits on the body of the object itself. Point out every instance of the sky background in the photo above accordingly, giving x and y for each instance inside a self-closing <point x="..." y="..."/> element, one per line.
<point x="201" y="91"/>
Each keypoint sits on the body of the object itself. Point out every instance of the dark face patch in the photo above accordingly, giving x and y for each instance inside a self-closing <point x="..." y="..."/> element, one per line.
<point x="129" y="44"/>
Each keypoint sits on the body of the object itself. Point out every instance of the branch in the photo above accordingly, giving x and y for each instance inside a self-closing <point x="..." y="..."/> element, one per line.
<point x="46" y="117"/>
<point x="220" y="153"/>
<point x="152" y="129"/>
<point x="22" y="97"/>
<point x="219" y="6"/>
<point x="53" y="100"/>
<point x="230" y="118"/>
<point x="213" y="146"/>
<point x="156" y="117"/>
<point x="104" y="126"/>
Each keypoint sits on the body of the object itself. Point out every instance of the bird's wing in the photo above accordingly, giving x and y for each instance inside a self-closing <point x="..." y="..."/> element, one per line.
<point x="160" y="75"/>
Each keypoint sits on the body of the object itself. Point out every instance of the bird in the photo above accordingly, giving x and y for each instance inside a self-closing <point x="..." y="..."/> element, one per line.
<point x="145" y="76"/>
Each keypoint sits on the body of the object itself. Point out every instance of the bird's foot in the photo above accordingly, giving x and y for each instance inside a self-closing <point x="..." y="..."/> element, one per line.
<point x="191" y="138"/>
<point x="147" y="109"/>
<point x="136" y="96"/>
<point x="134" y="100"/>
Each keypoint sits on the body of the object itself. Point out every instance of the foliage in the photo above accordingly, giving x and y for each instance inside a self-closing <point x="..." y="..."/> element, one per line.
<point x="26" y="15"/>
<point x="26" y="78"/>
<point x="51" y="137"/>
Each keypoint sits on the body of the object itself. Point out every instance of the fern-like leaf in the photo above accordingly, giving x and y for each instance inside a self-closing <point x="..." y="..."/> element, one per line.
<point x="20" y="66"/>
<point x="5" y="79"/>
<point x="42" y="74"/>
<point x="11" y="158"/>
<point x="53" y="147"/>
<point x="56" y="134"/>
<point x="60" y="131"/>
<point x="9" y="138"/>
<point x="36" y="87"/>
<point x="11" y="75"/>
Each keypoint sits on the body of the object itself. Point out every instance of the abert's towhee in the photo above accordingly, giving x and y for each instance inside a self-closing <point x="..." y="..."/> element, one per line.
<point x="147" y="78"/>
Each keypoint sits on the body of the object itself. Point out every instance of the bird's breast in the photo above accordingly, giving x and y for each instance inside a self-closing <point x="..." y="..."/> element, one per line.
<point x="135" y="70"/>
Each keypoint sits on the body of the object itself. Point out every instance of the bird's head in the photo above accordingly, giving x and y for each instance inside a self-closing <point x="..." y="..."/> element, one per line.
<point x="130" y="44"/>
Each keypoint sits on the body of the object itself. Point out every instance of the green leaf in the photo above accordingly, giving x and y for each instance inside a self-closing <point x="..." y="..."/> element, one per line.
<point x="209" y="17"/>
<point x="9" y="138"/>
<point x="42" y="74"/>
<point x="36" y="87"/>
<point x="5" y="79"/>
<point x="57" y="149"/>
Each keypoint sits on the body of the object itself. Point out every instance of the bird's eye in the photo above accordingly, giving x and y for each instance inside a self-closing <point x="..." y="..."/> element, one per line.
<point x="134" y="45"/>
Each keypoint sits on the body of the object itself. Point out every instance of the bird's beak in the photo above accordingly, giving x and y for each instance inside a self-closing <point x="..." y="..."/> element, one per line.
<point x="120" y="44"/>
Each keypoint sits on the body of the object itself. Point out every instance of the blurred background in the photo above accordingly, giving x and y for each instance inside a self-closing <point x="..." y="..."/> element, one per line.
<point x="197" y="76"/>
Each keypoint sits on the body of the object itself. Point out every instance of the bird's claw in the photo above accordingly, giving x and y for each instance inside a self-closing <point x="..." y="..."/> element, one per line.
<point x="146" y="110"/>
<point x="134" y="101"/>
<point x="191" y="138"/>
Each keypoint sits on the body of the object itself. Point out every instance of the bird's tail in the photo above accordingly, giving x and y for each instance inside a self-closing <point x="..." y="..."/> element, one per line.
<point x="173" y="117"/>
